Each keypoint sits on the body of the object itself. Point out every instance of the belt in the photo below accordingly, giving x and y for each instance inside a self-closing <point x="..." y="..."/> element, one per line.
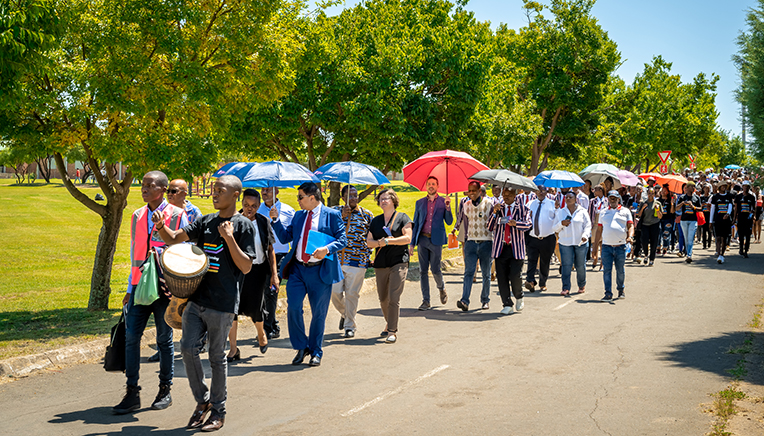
<point x="428" y="235"/>
<point x="309" y="265"/>
<point x="537" y="237"/>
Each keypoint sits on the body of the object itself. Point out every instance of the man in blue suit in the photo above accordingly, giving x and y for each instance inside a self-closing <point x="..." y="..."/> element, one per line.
<point x="310" y="274"/>
<point x="430" y="214"/>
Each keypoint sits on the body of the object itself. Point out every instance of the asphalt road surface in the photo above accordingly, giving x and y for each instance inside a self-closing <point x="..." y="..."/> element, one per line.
<point x="563" y="366"/>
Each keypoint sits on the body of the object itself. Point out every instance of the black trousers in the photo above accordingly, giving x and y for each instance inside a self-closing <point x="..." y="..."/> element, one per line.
<point x="650" y="239"/>
<point x="638" y="245"/>
<point x="744" y="230"/>
<point x="270" y="323"/>
<point x="540" y="252"/>
<point x="705" y="231"/>
<point x="509" y="272"/>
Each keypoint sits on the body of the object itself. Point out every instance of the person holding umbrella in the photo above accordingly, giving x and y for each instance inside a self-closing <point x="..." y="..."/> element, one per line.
<point x="431" y="214"/>
<point x="354" y="259"/>
<point x="509" y="220"/>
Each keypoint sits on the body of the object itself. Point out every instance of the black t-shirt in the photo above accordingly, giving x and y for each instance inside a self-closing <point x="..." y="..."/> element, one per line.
<point x="221" y="285"/>
<point x="666" y="203"/>
<point x="721" y="202"/>
<point x="745" y="206"/>
<point x="390" y="255"/>
<point x="688" y="213"/>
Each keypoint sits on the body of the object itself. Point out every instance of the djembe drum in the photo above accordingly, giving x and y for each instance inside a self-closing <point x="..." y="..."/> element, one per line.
<point x="184" y="266"/>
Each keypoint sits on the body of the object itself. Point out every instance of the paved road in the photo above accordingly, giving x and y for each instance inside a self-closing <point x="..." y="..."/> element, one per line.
<point x="572" y="366"/>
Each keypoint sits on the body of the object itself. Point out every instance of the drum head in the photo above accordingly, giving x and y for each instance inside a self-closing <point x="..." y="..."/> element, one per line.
<point x="184" y="260"/>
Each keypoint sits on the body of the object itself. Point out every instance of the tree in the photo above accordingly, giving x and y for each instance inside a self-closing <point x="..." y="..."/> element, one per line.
<point x="750" y="63"/>
<point x="657" y="112"/>
<point x="16" y="159"/>
<point x="565" y="62"/>
<point x="381" y="83"/>
<point x="149" y="84"/>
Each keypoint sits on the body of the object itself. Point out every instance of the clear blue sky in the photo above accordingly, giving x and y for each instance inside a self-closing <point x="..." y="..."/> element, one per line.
<point x="696" y="36"/>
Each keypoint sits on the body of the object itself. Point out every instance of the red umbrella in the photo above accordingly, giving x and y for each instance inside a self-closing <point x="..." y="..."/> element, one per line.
<point x="646" y="176"/>
<point x="674" y="181"/>
<point x="452" y="169"/>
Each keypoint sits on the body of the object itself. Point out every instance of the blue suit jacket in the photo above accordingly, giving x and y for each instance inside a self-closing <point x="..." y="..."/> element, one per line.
<point x="438" y="228"/>
<point x="330" y="223"/>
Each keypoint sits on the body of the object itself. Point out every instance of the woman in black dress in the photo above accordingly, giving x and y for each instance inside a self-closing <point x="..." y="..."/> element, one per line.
<point x="262" y="275"/>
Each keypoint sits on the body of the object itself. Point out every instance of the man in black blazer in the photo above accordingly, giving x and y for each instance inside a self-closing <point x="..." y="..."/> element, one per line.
<point x="431" y="215"/>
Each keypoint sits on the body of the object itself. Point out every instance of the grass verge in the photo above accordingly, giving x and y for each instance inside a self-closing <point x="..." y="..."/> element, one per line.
<point x="49" y="244"/>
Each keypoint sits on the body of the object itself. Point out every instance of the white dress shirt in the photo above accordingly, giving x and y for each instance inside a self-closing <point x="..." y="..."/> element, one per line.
<point x="580" y="226"/>
<point x="313" y="226"/>
<point x="286" y="213"/>
<point x="546" y="217"/>
<point x="582" y="199"/>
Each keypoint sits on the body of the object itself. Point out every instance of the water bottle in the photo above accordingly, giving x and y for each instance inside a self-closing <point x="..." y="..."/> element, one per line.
<point x="628" y="248"/>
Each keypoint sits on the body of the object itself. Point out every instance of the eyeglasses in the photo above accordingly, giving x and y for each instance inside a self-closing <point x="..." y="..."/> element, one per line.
<point x="384" y="199"/>
<point x="300" y="197"/>
<point x="175" y="191"/>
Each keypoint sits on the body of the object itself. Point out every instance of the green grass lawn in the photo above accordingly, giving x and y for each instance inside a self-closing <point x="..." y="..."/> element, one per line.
<point x="49" y="242"/>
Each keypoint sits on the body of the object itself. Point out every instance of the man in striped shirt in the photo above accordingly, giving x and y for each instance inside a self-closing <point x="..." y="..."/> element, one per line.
<point x="508" y="223"/>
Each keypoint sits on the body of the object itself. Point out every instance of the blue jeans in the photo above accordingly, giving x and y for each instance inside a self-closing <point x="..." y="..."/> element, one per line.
<point x="679" y="237"/>
<point x="198" y="320"/>
<point x="429" y="258"/>
<point x="688" y="229"/>
<point x="135" y="323"/>
<point x="613" y="254"/>
<point x="573" y="255"/>
<point x="306" y="281"/>
<point x="474" y="251"/>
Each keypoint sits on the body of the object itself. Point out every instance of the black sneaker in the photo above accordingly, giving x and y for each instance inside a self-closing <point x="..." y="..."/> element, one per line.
<point x="607" y="297"/>
<point x="462" y="305"/>
<point x="163" y="399"/>
<point x="621" y="295"/>
<point x="342" y="323"/>
<point x="154" y="357"/>
<point x="130" y="402"/>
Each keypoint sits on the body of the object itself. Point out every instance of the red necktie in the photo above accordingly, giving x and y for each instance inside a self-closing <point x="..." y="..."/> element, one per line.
<point x="305" y="256"/>
<point x="507" y="227"/>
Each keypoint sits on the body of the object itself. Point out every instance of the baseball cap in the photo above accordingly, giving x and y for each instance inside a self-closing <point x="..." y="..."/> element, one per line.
<point x="614" y="193"/>
<point x="651" y="178"/>
<point x="746" y="183"/>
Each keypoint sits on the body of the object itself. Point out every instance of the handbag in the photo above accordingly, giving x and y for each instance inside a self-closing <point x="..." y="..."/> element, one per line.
<point x="147" y="289"/>
<point x="701" y="218"/>
<point x="114" y="359"/>
<point x="452" y="241"/>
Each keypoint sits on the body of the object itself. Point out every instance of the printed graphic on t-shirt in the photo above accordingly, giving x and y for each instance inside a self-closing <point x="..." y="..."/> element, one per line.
<point x="212" y="250"/>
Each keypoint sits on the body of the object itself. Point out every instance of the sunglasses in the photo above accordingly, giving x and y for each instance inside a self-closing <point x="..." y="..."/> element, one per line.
<point x="175" y="191"/>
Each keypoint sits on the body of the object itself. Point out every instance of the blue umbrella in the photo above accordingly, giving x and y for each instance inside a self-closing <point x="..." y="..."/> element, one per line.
<point x="232" y="168"/>
<point x="558" y="179"/>
<point x="276" y="174"/>
<point x="351" y="172"/>
<point x="732" y="167"/>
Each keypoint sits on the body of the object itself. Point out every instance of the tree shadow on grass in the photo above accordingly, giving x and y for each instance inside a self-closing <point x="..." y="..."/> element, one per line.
<point x="46" y="325"/>
<point x="718" y="354"/>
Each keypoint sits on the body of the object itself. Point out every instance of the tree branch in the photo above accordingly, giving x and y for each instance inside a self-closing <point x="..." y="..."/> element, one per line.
<point x="76" y="193"/>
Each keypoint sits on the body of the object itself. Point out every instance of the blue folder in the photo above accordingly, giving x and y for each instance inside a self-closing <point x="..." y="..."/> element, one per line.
<point x="317" y="240"/>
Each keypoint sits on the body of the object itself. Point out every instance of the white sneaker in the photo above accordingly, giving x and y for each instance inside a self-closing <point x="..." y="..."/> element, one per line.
<point x="720" y="259"/>
<point x="507" y="310"/>
<point x="519" y="303"/>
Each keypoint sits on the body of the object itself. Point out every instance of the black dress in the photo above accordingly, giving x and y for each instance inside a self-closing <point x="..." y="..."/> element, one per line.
<point x="252" y="301"/>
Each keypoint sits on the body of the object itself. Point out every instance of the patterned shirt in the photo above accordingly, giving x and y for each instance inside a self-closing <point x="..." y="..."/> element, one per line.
<point x="522" y="215"/>
<point x="477" y="219"/>
<point x="356" y="253"/>
<point x="192" y="212"/>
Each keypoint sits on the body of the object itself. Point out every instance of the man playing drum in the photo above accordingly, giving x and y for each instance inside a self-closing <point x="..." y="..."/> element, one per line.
<point x="142" y="240"/>
<point x="228" y="239"/>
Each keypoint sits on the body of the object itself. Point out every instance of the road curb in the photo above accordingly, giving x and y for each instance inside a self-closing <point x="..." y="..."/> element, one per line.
<point x="86" y="352"/>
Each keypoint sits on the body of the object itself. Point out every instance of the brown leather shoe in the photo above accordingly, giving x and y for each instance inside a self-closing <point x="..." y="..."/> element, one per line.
<point x="215" y="422"/>
<point x="197" y="419"/>
<point x="443" y="296"/>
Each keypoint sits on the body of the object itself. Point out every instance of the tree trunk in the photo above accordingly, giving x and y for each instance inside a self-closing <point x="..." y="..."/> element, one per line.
<point x="334" y="194"/>
<point x="43" y="163"/>
<point x="111" y="219"/>
<point x="366" y="192"/>
<point x="100" y="280"/>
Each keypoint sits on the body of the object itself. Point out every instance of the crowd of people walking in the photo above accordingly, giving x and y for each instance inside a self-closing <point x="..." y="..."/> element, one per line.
<point x="257" y="243"/>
